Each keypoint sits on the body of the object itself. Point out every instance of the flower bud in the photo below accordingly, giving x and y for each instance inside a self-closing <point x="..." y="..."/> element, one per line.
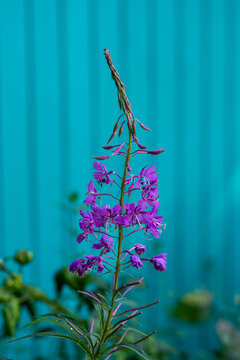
<point x="23" y="256"/>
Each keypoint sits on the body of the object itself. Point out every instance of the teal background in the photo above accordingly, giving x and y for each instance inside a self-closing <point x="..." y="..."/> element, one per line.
<point x="180" y="62"/>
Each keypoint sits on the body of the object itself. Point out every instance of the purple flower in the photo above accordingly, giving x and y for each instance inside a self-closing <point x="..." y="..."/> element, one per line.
<point x="78" y="266"/>
<point x="92" y="193"/>
<point x="86" y="225"/>
<point x="153" y="223"/>
<point x="104" y="216"/>
<point x="136" y="261"/>
<point x="105" y="244"/>
<point x="134" y="213"/>
<point x="94" y="261"/>
<point x="150" y="194"/>
<point x="101" y="175"/>
<point x="139" y="249"/>
<point x="159" y="262"/>
<point x="146" y="176"/>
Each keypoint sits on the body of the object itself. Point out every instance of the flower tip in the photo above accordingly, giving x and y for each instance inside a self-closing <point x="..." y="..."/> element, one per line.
<point x="155" y="152"/>
<point x="101" y="157"/>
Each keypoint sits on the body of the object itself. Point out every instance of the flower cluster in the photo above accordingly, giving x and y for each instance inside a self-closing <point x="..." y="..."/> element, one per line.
<point x="104" y="220"/>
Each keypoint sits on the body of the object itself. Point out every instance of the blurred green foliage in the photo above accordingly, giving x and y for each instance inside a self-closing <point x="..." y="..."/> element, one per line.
<point x="195" y="306"/>
<point x="192" y="308"/>
<point x="16" y="294"/>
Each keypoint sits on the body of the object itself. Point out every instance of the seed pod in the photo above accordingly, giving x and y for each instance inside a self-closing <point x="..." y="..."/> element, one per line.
<point x="121" y="129"/>
<point x="119" y="102"/>
<point x="101" y="157"/>
<point x="140" y="145"/>
<point x="115" y="129"/>
<point x="154" y="152"/>
<point x="110" y="147"/>
<point x="143" y="126"/>
<point x="134" y="128"/>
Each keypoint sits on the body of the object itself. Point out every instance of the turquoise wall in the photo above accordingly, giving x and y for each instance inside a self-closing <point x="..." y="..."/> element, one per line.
<point x="179" y="60"/>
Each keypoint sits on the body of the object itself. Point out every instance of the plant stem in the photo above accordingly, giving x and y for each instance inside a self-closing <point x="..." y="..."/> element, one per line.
<point x="126" y="107"/>
<point x="118" y="263"/>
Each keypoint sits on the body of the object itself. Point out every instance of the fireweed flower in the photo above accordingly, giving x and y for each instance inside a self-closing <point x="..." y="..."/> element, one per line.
<point x="79" y="266"/>
<point x="86" y="225"/>
<point x="102" y="176"/>
<point x="92" y="193"/>
<point x="159" y="262"/>
<point x="105" y="243"/>
<point x="136" y="261"/>
<point x="105" y="216"/>
<point x="139" y="249"/>
<point x="111" y="225"/>
<point x="147" y="176"/>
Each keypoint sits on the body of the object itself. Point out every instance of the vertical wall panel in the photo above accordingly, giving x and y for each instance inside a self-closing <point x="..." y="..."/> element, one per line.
<point x="163" y="49"/>
<point x="237" y="169"/>
<point x="78" y="112"/>
<point x="14" y="128"/>
<point x="204" y="143"/>
<point x="63" y="115"/>
<point x="229" y="154"/>
<point x="93" y="77"/>
<point x="217" y="142"/>
<point x="193" y="146"/>
<point x="2" y="178"/>
<point x="32" y="137"/>
<point x="179" y="129"/>
<point x="48" y="141"/>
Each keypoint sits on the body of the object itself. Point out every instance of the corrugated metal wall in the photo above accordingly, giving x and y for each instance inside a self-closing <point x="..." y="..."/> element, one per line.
<point x="180" y="61"/>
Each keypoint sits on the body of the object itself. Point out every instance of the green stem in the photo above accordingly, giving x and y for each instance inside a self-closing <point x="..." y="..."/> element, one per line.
<point x="118" y="263"/>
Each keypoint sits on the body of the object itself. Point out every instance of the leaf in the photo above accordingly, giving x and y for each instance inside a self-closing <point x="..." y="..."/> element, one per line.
<point x="100" y="312"/>
<point x="11" y="315"/>
<point x="13" y="282"/>
<point x="68" y="328"/>
<point x="37" y="294"/>
<point x="110" y="347"/>
<point x="73" y="326"/>
<point x="65" y="317"/>
<point x="131" y="329"/>
<point x="64" y="278"/>
<point x="136" y="349"/>
<point x="5" y="295"/>
<point x="58" y="335"/>
<point x="113" y="332"/>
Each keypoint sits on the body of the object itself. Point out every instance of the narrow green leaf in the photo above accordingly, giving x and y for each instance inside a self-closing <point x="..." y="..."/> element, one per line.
<point x="129" y="328"/>
<point x="65" y="317"/>
<point x="11" y="315"/>
<point x="110" y="347"/>
<point x="74" y="323"/>
<point x="5" y="295"/>
<point x="100" y="311"/>
<point x="114" y="332"/>
<point x="68" y="328"/>
<point x="136" y="349"/>
<point x="63" y="336"/>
